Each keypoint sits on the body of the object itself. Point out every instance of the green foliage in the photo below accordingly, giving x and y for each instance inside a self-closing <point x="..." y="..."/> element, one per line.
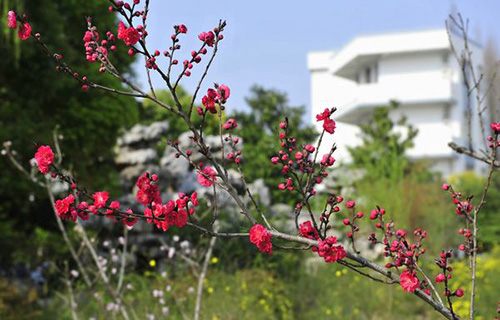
<point x="323" y="291"/>
<point x="486" y="285"/>
<point x="34" y="99"/>
<point x="259" y="130"/>
<point x="382" y="153"/>
<point x="412" y="204"/>
<point x="470" y="184"/>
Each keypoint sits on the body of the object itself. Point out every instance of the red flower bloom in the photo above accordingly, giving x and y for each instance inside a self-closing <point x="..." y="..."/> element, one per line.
<point x="129" y="221"/>
<point x="100" y="199"/>
<point x="329" y="126"/>
<point x="440" y="278"/>
<point x="495" y="127"/>
<point x="148" y="192"/>
<point x="177" y="218"/>
<point x="207" y="177"/>
<point x="260" y="237"/>
<point x="324" y="115"/>
<point x="223" y="92"/>
<point x="209" y="100"/>
<point x="44" y="158"/>
<point x="207" y="37"/>
<point x="63" y="207"/>
<point x="350" y="204"/>
<point x="182" y="28"/>
<point x="409" y="282"/>
<point x="11" y="19"/>
<point x="194" y="199"/>
<point x="129" y="35"/>
<point x="327" y="160"/>
<point x="329" y="251"/>
<point x="24" y="31"/>
<point x="307" y="230"/>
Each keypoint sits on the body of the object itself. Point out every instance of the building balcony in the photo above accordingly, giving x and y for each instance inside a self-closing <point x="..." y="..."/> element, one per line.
<point x="407" y="94"/>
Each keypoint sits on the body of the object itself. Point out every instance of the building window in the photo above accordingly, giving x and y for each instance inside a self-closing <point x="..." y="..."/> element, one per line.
<point x="368" y="75"/>
<point x="446" y="112"/>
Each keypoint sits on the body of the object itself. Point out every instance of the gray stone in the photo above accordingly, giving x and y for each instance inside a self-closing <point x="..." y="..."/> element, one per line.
<point x="128" y="156"/>
<point x="140" y="134"/>
<point x="260" y="192"/>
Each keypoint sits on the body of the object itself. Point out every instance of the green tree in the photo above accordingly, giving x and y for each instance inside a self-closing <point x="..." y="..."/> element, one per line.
<point x="382" y="153"/>
<point x="259" y="130"/>
<point x="34" y="99"/>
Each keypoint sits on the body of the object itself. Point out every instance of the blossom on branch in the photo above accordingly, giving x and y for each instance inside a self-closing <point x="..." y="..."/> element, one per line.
<point x="261" y="238"/>
<point x="11" y="19"/>
<point x="409" y="282"/>
<point x="129" y="35"/>
<point x="329" y="126"/>
<point x="24" y="31"/>
<point x="100" y="199"/>
<point x="44" y="158"/>
<point x="207" y="177"/>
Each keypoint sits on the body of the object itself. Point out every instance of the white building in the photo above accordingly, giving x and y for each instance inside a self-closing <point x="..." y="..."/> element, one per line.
<point x="416" y="69"/>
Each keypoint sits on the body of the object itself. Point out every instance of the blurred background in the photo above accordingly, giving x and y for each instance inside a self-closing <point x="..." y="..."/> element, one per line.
<point x="390" y="71"/>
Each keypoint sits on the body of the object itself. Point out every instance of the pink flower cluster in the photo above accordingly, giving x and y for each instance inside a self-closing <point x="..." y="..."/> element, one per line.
<point x="24" y="31"/>
<point x="463" y="208"/>
<point x="148" y="189"/>
<point x="44" y="158"/>
<point x="409" y="281"/>
<point x="261" y="238"/>
<point x="219" y="95"/>
<point x="95" y="50"/>
<point x="328" y="124"/>
<point x="445" y="276"/>
<point x="328" y="248"/>
<point x="172" y="213"/>
<point x="208" y="38"/>
<point x="230" y="124"/>
<point x="129" y="36"/>
<point x="207" y="177"/>
<point x="292" y="158"/>
<point x="495" y="127"/>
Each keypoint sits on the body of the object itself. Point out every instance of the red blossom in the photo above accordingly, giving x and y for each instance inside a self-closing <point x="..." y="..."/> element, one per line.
<point x="207" y="37"/>
<point x="11" y="19"/>
<point x="307" y="230"/>
<point x="129" y="35"/>
<point x="440" y="278"/>
<point x="177" y="218"/>
<point x="194" y="199"/>
<point x="329" y="251"/>
<point x="148" y="192"/>
<point x="207" y="177"/>
<point x="44" y="158"/>
<point x="209" y="100"/>
<point x="350" y="204"/>
<point x="24" y="31"/>
<point x="223" y="92"/>
<point x="324" y="115"/>
<point x="182" y="28"/>
<point x="63" y="206"/>
<point x="329" y="126"/>
<point x="100" y="199"/>
<point x="495" y="126"/>
<point x="409" y="282"/>
<point x="261" y="238"/>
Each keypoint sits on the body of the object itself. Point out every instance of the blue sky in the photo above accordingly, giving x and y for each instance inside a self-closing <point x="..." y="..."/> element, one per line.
<point x="266" y="42"/>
